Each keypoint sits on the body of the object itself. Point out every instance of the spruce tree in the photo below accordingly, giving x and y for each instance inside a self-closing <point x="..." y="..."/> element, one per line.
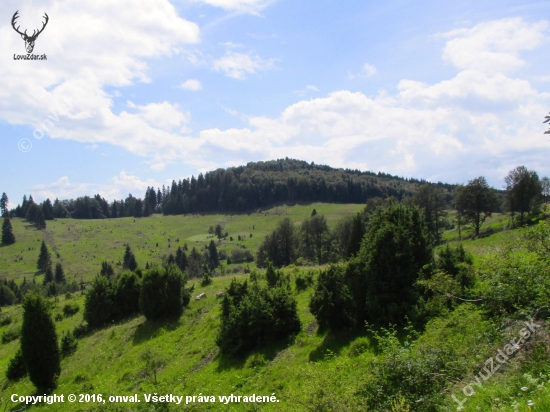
<point x="7" y="231"/>
<point x="48" y="276"/>
<point x="4" y="204"/>
<point x="39" y="343"/>
<point x="44" y="259"/>
<point x="181" y="259"/>
<point x="59" y="274"/>
<point x="107" y="269"/>
<point x="129" y="261"/>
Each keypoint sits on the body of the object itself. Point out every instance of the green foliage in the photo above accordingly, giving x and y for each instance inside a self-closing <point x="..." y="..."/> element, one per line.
<point x="11" y="335"/>
<point x="314" y="239"/>
<point x="107" y="269"/>
<point x="8" y="237"/>
<point x="5" y="320"/>
<point x="394" y="252"/>
<point x="358" y="347"/>
<point x="457" y="262"/>
<point x="255" y="316"/>
<point x="357" y="233"/>
<point x="206" y="279"/>
<point x="280" y="247"/>
<point x="16" y="368"/>
<point x="523" y="191"/>
<point x="153" y="361"/>
<point x="44" y="258"/>
<point x="303" y="280"/>
<point x="163" y="293"/>
<point x="59" y="273"/>
<point x="331" y="302"/>
<point x="70" y="309"/>
<point x="128" y="288"/>
<point x="475" y="202"/>
<point x="129" y="261"/>
<point x="7" y="297"/>
<point x="100" y="304"/>
<point x="39" y="343"/>
<point x="69" y="344"/>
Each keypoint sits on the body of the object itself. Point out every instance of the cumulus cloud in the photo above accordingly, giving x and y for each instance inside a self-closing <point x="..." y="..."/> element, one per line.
<point x="493" y="46"/>
<point x="240" y="65"/>
<point x="191" y="84"/>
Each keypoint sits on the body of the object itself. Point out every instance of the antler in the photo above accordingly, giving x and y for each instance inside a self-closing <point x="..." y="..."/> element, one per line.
<point x="15" y="17"/>
<point x="43" y="25"/>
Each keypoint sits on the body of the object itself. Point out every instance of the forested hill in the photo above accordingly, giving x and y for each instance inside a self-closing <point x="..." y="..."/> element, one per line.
<point x="263" y="184"/>
<point x="243" y="188"/>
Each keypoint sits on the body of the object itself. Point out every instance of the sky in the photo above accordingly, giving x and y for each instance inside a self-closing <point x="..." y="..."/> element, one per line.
<point x="137" y="93"/>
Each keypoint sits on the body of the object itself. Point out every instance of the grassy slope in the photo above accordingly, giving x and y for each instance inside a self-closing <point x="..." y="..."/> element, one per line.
<point x="108" y="361"/>
<point x="83" y="244"/>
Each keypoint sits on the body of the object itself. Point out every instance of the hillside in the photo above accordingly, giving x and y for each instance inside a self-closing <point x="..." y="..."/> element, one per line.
<point x="315" y="371"/>
<point x="81" y="245"/>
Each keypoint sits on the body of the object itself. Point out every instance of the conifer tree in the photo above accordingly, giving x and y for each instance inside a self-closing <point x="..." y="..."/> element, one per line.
<point x="7" y="231"/>
<point x="39" y="345"/>
<point x="129" y="259"/>
<point x="48" y="276"/>
<point x="4" y="204"/>
<point x="59" y="274"/>
<point x="44" y="259"/>
<point x="181" y="259"/>
<point x="106" y="269"/>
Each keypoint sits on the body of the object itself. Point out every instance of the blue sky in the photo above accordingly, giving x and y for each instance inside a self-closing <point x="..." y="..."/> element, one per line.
<point x="137" y="93"/>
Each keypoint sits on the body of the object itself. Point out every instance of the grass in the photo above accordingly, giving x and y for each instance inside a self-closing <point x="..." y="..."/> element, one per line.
<point x="81" y="245"/>
<point x="303" y="372"/>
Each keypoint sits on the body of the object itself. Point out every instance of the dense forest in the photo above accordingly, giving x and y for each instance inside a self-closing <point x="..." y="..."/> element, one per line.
<point x="243" y="188"/>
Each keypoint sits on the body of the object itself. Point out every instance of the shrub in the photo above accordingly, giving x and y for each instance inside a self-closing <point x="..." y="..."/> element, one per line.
<point x="206" y="279"/>
<point x="127" y="294"/>
<point x="358" y="346"/>
<point x="239" y="255"/>
<point x="100" y="304"/>
<point x="16" y="367"/>
<point x="331" y="302"/>
<point x="11" y="335"/>
<point x="68" y="344"/>
<point x="163" y="293"/>
<point x="255" y="316"/>
<point x="39" y="343"/>
<point x="80" y="330"/>
<point x="59" y="317"/>
<point x="6" y="320"/>
<point x="70" y="309"/>
<point x="303" y="280"/>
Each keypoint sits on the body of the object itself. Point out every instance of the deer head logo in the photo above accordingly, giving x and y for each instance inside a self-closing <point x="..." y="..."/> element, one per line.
<point x="29" y="40"/>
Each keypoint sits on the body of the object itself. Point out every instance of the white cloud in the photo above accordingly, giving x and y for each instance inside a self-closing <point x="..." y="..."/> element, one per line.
<point x="240" y="65"/>
<point x="191" y="84"/>
<point x="493" y="46"/>
<point x="118" y="188"/>
<point x="368" y="70"/>
<point x="308" y="89"/>
<point x="247" y="6"/>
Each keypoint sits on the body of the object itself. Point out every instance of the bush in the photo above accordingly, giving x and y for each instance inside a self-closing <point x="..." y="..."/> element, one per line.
<point x="68" y="344"/>
<point x="331" y="302"/>
<point x="358" y="346"/>
<point x="206" y="279"/>
<point x="59" y="317"/>
<point x="100" y="304"/>
<point x="16" y="367"/>
<point x="163" y="293"/>
<point x="303" y="280"/>
<point x="6" y="320"/>
<point x="11" y="335"/>
<point x="80" y="330"/>
<point x="239" y="255"/>
<point x="127" y="294"/>
<point x="39" y="343"/>
<point x="70" y="309"/>
<point x="255" y="316"/>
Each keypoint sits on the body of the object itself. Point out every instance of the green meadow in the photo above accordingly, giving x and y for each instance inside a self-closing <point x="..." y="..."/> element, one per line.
<point x="313" y="371"/>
